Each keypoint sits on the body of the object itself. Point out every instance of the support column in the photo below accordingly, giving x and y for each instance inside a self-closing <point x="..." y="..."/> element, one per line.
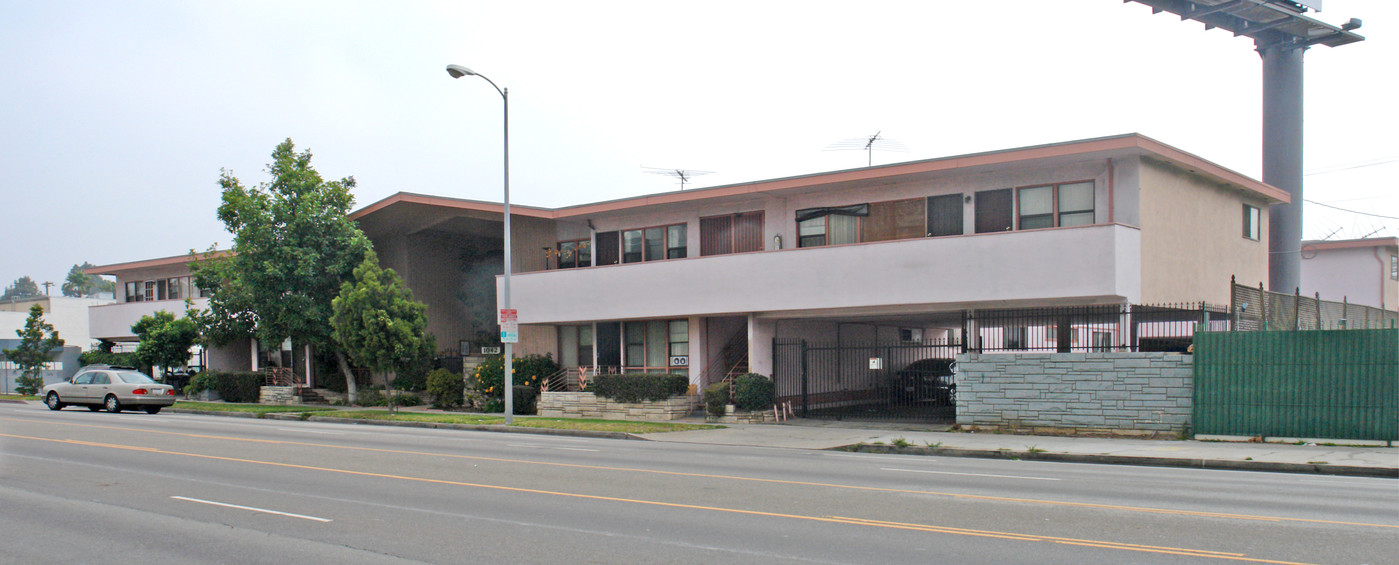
<point x="1282" y="161"/>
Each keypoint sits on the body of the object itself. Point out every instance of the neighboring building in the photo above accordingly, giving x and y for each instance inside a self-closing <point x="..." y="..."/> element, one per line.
<point x="701" y="280"/>
<point x="146" y="287"/>
<point x="1358" y="271"/>
<point x="68" y="315"/>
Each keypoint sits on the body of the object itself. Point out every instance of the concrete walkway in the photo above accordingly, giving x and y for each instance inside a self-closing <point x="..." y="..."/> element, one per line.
<point x="1342" y="459"/>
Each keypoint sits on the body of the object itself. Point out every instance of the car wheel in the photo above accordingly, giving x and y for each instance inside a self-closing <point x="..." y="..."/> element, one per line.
<point x="152" y="409"/>
<point x="53" y="402"/>
<point x="112" y="404"/>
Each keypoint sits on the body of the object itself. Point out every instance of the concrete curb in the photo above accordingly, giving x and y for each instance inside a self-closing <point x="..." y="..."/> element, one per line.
<point x="297" y="417"/>
<point x="1216" y="464"/>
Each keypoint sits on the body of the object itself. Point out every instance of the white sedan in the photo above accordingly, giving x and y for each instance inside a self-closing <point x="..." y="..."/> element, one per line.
<point x="113" y="388"/>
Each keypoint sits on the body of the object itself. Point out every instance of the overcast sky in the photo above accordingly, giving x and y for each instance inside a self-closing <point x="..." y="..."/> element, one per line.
<point x="116" y="117"/>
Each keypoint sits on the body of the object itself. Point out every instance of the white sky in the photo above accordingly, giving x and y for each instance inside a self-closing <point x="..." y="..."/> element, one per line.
<point x="115" y="117"/>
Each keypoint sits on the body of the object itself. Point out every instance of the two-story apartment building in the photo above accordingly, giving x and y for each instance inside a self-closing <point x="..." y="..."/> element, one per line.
<point x="1359" y="271"/>
<point x="152" y="285"/>
<point x="673" y="280"/>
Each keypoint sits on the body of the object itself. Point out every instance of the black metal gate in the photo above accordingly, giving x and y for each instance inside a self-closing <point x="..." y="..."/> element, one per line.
<point x="910" y="381"/>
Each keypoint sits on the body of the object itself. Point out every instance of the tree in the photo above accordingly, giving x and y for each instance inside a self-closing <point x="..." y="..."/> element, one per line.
<point x="36" y="344"/>
<point x="165" y="340"/>
<point x="293" y="245"/>
<point x="23" y="287"/>
<point x="79" y="284"/>
<point x="377" y="322"/>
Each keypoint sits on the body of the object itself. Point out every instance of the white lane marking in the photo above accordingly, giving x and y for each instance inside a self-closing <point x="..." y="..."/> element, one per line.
<point x="263" y="510"/>
<point x="969" y="474"/>
<point x="576" y="449"/>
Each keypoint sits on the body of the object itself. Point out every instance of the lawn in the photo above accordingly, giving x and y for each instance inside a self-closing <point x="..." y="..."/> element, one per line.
<point x="253" y="408"/>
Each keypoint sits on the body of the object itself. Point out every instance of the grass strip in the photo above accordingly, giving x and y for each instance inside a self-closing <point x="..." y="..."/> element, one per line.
<point x="253" y="408"/>
<point x="622" y="426"/>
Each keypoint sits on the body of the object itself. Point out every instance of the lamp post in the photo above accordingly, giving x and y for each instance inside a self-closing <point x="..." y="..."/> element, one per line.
<point x="458" y="71"/>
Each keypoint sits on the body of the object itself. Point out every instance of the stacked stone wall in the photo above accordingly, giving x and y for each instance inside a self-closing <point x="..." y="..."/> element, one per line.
<point x="588" y="405"/>
<point x="1115" y="392"/>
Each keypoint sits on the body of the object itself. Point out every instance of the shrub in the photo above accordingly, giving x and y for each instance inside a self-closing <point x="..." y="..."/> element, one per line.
<point x="414" y="380"/>
<point x="445" y="388"/>
<point x="530" y="370"/>
<point x="753" y="392"/>
<point x="96" y="357"/>
<point x="406" y="399"/>
<point x="639" y="387"/>
<point x="371" y="397"/>
<point x="202" y="382"/>
<point x="493" y="405"/>
<point x="716" y="396"/>
<point x="526" y="400"/>
<point x="232" y="386"/>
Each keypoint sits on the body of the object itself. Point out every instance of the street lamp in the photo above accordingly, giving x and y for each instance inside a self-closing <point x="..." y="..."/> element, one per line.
<point x="458" y="71"/>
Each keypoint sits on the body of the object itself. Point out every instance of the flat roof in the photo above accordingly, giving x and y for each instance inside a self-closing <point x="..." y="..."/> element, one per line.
<point x="115" y="268"/>
<point x="1103" y="147"/>
<point x="1318" y="244"/>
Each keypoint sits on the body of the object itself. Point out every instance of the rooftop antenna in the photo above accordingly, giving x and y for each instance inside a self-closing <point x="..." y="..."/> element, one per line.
<point x="683" y="174"/>
<point x="868" y="144"/>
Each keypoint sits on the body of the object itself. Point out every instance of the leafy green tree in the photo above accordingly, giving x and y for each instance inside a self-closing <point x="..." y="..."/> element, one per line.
<point x="79" y="284"/>
<point x="293" y="245"/>
<point x="23" y="287"/>
<point x="36" y="344"/>
<point x="165" y="340"/>
<point x="377" y="322"/>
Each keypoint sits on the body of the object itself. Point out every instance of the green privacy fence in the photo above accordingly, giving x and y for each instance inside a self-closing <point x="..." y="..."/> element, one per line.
<point x="1341" y="384"/>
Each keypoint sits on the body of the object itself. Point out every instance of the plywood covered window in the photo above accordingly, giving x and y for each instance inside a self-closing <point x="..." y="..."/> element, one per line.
<point x="896" y="219"/>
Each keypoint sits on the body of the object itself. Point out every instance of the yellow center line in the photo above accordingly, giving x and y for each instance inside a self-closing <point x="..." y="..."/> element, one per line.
<point x="826" y="519"/>
<point x="962" y="496"/>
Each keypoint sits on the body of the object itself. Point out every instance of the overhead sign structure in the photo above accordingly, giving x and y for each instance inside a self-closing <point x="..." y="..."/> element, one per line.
<point x="509" y="325"/>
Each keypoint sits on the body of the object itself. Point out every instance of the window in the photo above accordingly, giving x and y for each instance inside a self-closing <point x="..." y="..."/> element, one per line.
<point x="945" y="215"/>
<point x="575" y="254"/>
<point x="830" y="226"/>
<point x="654" y="243"/>
<point x="1058" y="205"/>
<point x="1016" y="338"/>
<point x="655" y="343"/>
<point x="897" y="219"/>
<point x="135" y="292"/>
<point x="1102" y="341"/>
<point x="575" y="346"/>
<point x="1394" y="267"/>
<point x="607" y="245"/>
<point x="911" y="335"/>
<point x="1251" y="219"/>
<point x="736" y="233"/>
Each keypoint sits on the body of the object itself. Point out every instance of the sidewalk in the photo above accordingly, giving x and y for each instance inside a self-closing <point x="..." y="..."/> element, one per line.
<point x="1374" y="461"/>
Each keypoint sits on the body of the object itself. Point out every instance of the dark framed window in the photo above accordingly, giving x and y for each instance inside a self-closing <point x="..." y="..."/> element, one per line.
<point x="135" y="292"/>
<point x="654" y="243"/>
<point x="945" y="215"/>
<point x="655" y="343"/>
<point x="1017" y="338"/>
<point x="575" y="254"/>
<point x="1056" y="205"/>
<point x="1252" y="217"/>
<point x="830" y="226"/>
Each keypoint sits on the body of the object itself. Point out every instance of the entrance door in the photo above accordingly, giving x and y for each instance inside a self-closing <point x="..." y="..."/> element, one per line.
<point x="609" y="344"/>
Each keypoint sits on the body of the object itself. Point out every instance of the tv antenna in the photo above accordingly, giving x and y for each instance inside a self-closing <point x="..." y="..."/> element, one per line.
<point x="683" y="174"/>
<point x="868" y="143"/>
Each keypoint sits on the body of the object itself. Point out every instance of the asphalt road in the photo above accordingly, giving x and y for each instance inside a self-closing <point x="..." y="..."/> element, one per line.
<point x="81" y="487"/>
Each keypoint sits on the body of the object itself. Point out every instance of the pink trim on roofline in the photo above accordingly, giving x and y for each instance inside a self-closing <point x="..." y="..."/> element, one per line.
<point x="1352" y="243"/>
<point x="147" y="263"/>
<point x="1067" y="149"/>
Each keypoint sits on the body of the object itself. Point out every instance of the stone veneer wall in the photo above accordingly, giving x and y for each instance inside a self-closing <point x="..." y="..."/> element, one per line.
<point x="277" y="395"/>
<point x="588" y="405"/>
<point x="1120" y="392"/>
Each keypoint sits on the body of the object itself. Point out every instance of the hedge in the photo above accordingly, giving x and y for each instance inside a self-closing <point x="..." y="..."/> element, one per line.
<point x="232" y="386"/>
<point x="639" y="387"/>
<point x="753" y="392"/>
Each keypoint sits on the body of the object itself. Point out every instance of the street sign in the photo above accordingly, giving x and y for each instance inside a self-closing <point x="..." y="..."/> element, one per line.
<point x="509" y="325"/>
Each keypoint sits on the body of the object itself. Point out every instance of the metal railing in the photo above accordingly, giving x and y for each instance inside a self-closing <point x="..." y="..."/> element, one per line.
<point x="1114" y="327"/>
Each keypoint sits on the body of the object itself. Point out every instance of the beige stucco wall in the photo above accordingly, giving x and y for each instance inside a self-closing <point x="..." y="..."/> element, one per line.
<point x="1192" y="238"/>
<point x="1359" y="275"/>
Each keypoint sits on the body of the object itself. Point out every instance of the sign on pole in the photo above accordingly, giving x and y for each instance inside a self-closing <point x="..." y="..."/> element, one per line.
<point x="509" y="325"/>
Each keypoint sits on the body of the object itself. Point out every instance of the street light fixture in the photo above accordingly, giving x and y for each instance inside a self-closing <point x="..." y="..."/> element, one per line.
<point x="458" y="71"/>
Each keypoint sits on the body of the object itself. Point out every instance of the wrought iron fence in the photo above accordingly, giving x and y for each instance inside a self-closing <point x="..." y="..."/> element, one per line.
<point x="1113" y="327"/>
